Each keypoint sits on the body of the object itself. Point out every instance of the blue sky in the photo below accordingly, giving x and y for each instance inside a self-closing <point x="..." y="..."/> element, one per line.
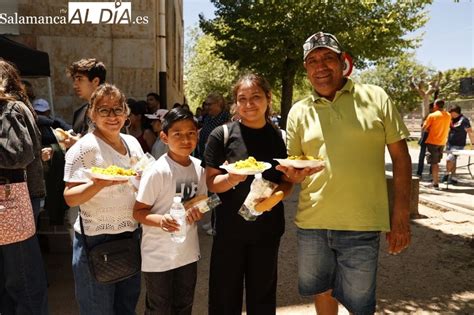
<point x="448" y="41"/>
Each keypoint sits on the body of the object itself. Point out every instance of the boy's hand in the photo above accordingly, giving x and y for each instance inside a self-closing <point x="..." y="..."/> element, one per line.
<point x="168" y="224"/>
<point x="191" y="202"/>
<point x="193" y="214"/>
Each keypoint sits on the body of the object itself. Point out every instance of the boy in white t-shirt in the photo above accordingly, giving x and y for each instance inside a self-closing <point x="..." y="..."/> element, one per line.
<point x="169" y="268"/>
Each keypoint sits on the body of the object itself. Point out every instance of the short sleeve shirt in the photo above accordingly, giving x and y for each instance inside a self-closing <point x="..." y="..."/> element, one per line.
<point x="350" y="134"/>
<point x="457" y="132"/>
<point x="437" y="124"/>
<point x="110" y="211"/>
<point x="264" y="144"/>
<point x="164" y="180"/>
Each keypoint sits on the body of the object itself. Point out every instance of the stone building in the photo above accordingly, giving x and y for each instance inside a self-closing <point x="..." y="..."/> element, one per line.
<point x="132" y="47"/>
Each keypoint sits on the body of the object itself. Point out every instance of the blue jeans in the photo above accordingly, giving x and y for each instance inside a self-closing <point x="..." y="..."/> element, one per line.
<point x="96" y="298"/>
<point x="23" y="288"/>
<point x="421" y="159"/>
<point x="344" y="261"/>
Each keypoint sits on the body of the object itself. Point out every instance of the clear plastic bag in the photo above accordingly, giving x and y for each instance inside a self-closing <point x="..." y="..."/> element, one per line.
<point x="259" y="189"/>
<point x="141" y="164"/>
<point x="208" y="203"/>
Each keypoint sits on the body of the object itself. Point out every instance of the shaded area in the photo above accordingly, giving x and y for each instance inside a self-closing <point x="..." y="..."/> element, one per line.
<point x="30" y="62"/>
<point x="434" y="275"/>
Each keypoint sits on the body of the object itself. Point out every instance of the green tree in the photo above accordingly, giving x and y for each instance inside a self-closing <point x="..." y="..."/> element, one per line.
<point x="204" y="71"/>
<point x="267" y="36"/>
<point x="393" y="75"/>
<point x="450" y="83"/>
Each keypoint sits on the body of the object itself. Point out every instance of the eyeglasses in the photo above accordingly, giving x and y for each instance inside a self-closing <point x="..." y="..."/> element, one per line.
<point x="105" y="112"/>
<point x="321" y="39"/>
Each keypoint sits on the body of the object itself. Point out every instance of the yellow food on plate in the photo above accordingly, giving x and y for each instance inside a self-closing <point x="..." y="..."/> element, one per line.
<point x="249" y="163"/>
<point x="304" y="157"/>
<point x="113" y="170"/>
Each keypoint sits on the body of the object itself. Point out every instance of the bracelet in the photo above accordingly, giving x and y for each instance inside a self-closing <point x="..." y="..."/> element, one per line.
<point x="228" y="180"/>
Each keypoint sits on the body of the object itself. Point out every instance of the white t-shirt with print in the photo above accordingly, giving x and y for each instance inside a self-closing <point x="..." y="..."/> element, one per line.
<point x="159" y="184"/>
<point x="110" y="211"/>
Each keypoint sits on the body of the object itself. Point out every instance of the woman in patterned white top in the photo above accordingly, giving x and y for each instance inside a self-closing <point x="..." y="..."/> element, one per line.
<point x="105" y="206"/>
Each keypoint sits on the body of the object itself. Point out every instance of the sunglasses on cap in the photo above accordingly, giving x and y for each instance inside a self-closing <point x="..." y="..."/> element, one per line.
<point x="321" y="40"/>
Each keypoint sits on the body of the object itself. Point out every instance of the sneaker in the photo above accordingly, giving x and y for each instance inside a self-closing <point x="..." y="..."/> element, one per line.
<point x="445" y="178"/>
<point x="434" y="186"/>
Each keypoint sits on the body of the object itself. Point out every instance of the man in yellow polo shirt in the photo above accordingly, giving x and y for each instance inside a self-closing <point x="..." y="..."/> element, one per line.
<point x="343" y="208"/>
<point x="437" y="125"/>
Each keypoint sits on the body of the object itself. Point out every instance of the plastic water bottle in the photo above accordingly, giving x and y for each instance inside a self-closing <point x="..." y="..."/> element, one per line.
<point x="178" y="213"/>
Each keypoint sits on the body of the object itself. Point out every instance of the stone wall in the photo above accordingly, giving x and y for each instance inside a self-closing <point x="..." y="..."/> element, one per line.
<point x="130" y="52"/>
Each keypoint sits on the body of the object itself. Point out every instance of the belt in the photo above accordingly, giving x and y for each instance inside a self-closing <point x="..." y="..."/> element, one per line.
<point x="13" y="175"/>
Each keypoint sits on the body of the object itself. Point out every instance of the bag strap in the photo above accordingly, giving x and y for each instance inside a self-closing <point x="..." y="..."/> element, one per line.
<point x="226" y="134"/>
<point x="126" y="146"/>
<point x="83" y="234"/>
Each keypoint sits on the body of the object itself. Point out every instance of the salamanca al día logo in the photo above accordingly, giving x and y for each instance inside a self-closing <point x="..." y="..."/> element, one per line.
<point x="116" y="12"/>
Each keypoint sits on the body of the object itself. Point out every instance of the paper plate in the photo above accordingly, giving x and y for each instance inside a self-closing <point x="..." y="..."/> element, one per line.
<point x="106" y="176"/>
<point x="300" y="163"/>
<point x="230" y="168"/>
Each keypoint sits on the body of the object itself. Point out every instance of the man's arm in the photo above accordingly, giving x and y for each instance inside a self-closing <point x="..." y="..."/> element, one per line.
<point x="471" y="136"/>
<point x="426" y="124"/>
<point x="399" y="236"/>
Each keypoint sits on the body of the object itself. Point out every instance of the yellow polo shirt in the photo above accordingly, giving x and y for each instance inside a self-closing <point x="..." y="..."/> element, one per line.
<point x="350" y="133"/>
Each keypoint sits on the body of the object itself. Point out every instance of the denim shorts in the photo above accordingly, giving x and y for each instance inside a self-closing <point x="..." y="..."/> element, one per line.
<point x="344" y="261"/>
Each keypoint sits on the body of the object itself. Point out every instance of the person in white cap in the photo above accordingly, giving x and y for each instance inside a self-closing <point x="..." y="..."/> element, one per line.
<point x="344" y="207"/>
<point x="159" y="147"/>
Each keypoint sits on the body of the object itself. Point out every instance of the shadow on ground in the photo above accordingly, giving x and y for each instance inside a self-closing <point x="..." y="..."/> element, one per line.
<point x="434" y="275"/>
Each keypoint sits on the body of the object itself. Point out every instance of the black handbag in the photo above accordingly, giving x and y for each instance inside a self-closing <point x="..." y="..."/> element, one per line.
<point x="113" y="261"/>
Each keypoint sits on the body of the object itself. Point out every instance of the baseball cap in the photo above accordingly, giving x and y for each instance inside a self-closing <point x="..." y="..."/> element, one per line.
<point x="321" y="40"/>
<point x="41" y="105"/>
<point x="159" y="114"/>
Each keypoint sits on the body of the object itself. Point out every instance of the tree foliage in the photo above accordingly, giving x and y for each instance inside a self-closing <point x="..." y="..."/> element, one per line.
<point x="204" y="71"/>
<point x="450" y="83"/>
<point x="393" y="75"/>
<point x="267" y="36"/>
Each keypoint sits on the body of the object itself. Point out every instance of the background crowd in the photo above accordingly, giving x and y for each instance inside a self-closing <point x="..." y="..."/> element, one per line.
<point x="338" y="238"/>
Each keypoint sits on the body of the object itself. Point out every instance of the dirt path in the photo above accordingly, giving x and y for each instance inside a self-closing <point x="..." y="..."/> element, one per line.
<point x="435" y="275"/>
